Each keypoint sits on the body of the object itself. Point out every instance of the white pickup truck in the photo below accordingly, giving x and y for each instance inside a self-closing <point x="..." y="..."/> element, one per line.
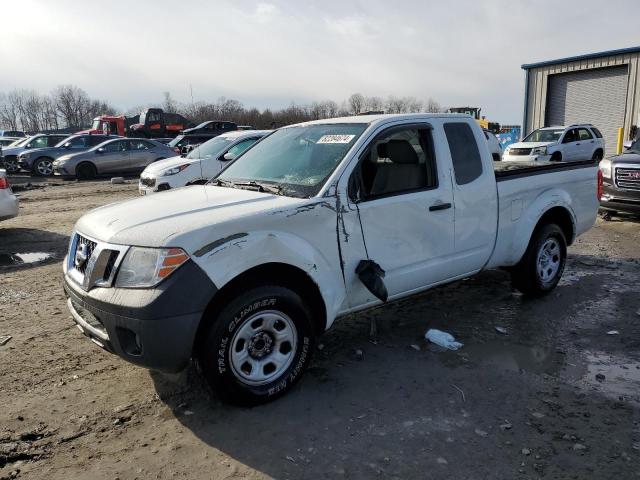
<point x="316" y="221"/>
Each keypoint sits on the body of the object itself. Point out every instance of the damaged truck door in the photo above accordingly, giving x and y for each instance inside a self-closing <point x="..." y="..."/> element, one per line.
<point x="403" y="201"/>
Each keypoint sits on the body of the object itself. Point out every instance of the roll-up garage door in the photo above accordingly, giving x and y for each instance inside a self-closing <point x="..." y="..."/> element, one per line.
<point x="589" y="96"/>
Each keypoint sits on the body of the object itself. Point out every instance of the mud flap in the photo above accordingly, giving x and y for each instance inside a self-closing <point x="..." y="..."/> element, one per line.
<point x="371" y="275"/>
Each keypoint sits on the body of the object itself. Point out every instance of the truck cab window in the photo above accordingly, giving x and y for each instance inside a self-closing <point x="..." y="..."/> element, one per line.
<point x="396" y="162"/>
<point x="465" y="156"/>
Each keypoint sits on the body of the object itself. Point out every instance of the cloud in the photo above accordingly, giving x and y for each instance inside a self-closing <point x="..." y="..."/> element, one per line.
<point x="272" y="53"/>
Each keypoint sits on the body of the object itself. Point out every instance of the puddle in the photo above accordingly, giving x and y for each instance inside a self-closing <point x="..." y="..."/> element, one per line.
<point x="621" y="375"/>
<point x="17" y="259"/>
<point x="516" y="358"/>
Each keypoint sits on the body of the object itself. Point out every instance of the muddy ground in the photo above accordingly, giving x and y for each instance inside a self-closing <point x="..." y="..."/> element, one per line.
<point x="531" y="403"/>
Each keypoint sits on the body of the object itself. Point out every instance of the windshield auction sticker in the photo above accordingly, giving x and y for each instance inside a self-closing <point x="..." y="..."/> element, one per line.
<point x="335" y="138"/>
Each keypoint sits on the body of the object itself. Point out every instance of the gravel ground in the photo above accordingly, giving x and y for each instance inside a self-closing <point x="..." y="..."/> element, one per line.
<point x="555" y="397"/>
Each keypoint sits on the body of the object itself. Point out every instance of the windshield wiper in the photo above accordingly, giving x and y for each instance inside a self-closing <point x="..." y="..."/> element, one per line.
<point x="223" y="183"/>
<point x="261" y="187"/>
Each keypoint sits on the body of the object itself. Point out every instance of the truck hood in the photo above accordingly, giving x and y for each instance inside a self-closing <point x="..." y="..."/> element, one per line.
<point x="171" y="219"/>
<point x="530" y="144"/>
<point x="626" y="158"/>
<point x="158" y="167"/>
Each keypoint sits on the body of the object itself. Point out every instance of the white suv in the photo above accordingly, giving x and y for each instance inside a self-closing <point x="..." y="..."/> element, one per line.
<point x="569" y="144"/>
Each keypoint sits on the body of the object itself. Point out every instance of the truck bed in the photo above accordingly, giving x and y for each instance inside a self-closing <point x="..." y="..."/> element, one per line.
<point x="507" y="170"/>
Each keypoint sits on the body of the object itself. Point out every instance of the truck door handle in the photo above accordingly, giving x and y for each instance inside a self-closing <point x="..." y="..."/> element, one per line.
<point x="439" y="206"/>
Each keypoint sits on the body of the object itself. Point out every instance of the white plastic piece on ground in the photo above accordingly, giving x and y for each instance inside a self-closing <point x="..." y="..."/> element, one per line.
<point x="613" y="332"/>
<point x="442" y="339"/>
<point x="501" y="330"/>
<point x="117" y="180"/>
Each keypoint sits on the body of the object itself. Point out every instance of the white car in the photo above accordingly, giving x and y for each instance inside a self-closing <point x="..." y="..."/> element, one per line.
<point x="8" y="201"/>
<point x="201" y="164"/>
<point x="559" y="144"/>
<point x="494" y="145"/>
<point x="316" y="221"/>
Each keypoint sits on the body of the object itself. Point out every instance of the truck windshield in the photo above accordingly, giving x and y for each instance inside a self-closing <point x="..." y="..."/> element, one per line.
<point x="544" y="136"/>
<point x="297" y="159"/>
<point x="634" y="148"/>
<point x="209" y="148"/>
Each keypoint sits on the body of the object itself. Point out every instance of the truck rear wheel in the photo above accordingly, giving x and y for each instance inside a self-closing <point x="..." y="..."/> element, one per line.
<point x="258" y="345"/>
<point x="541" y="267"/>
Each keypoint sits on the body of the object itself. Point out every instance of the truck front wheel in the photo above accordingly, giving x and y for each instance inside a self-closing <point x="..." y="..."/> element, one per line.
<point x="541" y="267"/>
<point x="258" y="345"/>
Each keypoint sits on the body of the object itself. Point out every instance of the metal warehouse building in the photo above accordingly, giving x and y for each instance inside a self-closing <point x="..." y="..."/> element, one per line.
<point x="599" y="88"/>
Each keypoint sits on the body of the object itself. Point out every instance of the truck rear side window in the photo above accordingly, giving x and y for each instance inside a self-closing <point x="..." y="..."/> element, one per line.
<point x="596" y="132"/>
<point x="467" y="164"/>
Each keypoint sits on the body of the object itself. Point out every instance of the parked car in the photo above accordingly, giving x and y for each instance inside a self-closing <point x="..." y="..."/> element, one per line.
<point x="494" y="145"/>
<point x="8" y="141"/>
<point x="621" y="182"/>
<point x="567" y="144"/>
<point x="211" y="128"/>
<point x="314" y="222"/>
<point x="12" y="133"/>
<point x="181" y="142"/>
<point x="119" y="155"/>
<point x="10" y="154"/>
<point x="202" y="163"/>
<point x="40" y="161"/>
<point x="8" y="201"/>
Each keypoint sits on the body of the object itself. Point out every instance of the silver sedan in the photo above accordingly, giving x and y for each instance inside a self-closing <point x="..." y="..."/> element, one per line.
<point x="123" y="155"/>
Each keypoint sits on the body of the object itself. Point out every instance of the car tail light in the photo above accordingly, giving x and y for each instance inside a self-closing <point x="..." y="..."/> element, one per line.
<point x="600" y="188"/>
<point x="4" y="183"/>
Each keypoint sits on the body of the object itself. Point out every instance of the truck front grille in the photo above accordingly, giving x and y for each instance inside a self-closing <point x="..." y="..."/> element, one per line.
<point x="93" y="264"/>
<point x="628" y="178"/>
<point x="90" y="246"/>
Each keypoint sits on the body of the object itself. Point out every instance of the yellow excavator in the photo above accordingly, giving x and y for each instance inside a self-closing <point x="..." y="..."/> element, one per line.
<point x="493" y="127"/>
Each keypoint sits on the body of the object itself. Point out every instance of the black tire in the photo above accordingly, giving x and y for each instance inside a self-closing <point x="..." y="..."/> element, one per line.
<point x="86" y="171"/>
<point x="597" y="155"/>
<point x="223" y="342"/>
<point x="11" y="164"/>
<point x="532" y="275"/>
<point x="556" y="157"/>
<point x="43" y="167"/>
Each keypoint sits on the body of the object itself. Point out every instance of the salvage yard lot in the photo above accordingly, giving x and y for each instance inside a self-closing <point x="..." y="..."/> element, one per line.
<point x="528" y="404"/>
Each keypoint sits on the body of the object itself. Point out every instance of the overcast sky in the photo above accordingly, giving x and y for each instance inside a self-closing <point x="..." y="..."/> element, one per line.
<point x="268" y="54"/>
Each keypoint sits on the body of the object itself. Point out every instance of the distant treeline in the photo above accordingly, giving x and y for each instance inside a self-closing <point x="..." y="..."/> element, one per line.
<point x="70" y="107"/>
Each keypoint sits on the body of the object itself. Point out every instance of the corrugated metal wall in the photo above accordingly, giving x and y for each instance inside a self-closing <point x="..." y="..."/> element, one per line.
<point x="538" y="84"/>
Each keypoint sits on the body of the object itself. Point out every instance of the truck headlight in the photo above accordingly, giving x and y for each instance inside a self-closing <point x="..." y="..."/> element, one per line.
<point x="146" y="267"/>
<point x="605" y="168"/>
<point x="175" y="170"/>
<point x="539" y="151"/>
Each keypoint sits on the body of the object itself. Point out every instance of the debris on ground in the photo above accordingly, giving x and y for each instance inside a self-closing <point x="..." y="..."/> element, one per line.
<point x="442" y="339"/>
<point x="415" y="347"/>
<point x="117" y="180"/>
<point x="600" y="377"/>
<point x="4" y="339"/>
<point x="501" y="330"/>
<point x="358" y="354"/>
<point x="613" y="332"/>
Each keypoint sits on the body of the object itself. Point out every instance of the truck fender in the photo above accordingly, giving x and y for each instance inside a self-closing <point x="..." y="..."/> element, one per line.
<point x="229" y="257"/>
<point x="529" y="219"/>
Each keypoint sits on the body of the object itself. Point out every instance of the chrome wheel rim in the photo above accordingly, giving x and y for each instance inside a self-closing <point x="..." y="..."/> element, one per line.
<point x="263" y="347"/>
<point x="45" y="167"/>
<point x="549" y="259"/>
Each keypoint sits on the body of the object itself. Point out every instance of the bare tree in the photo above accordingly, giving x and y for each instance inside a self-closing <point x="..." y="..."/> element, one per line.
<point x="169" y="105"/>
<point x="356" y="103"/>
<point x="431" y="106"/>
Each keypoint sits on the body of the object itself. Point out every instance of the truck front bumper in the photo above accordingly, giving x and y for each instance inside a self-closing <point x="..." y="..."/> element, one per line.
<point x="615" y="199"/>
<point x="154" y="328"/>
